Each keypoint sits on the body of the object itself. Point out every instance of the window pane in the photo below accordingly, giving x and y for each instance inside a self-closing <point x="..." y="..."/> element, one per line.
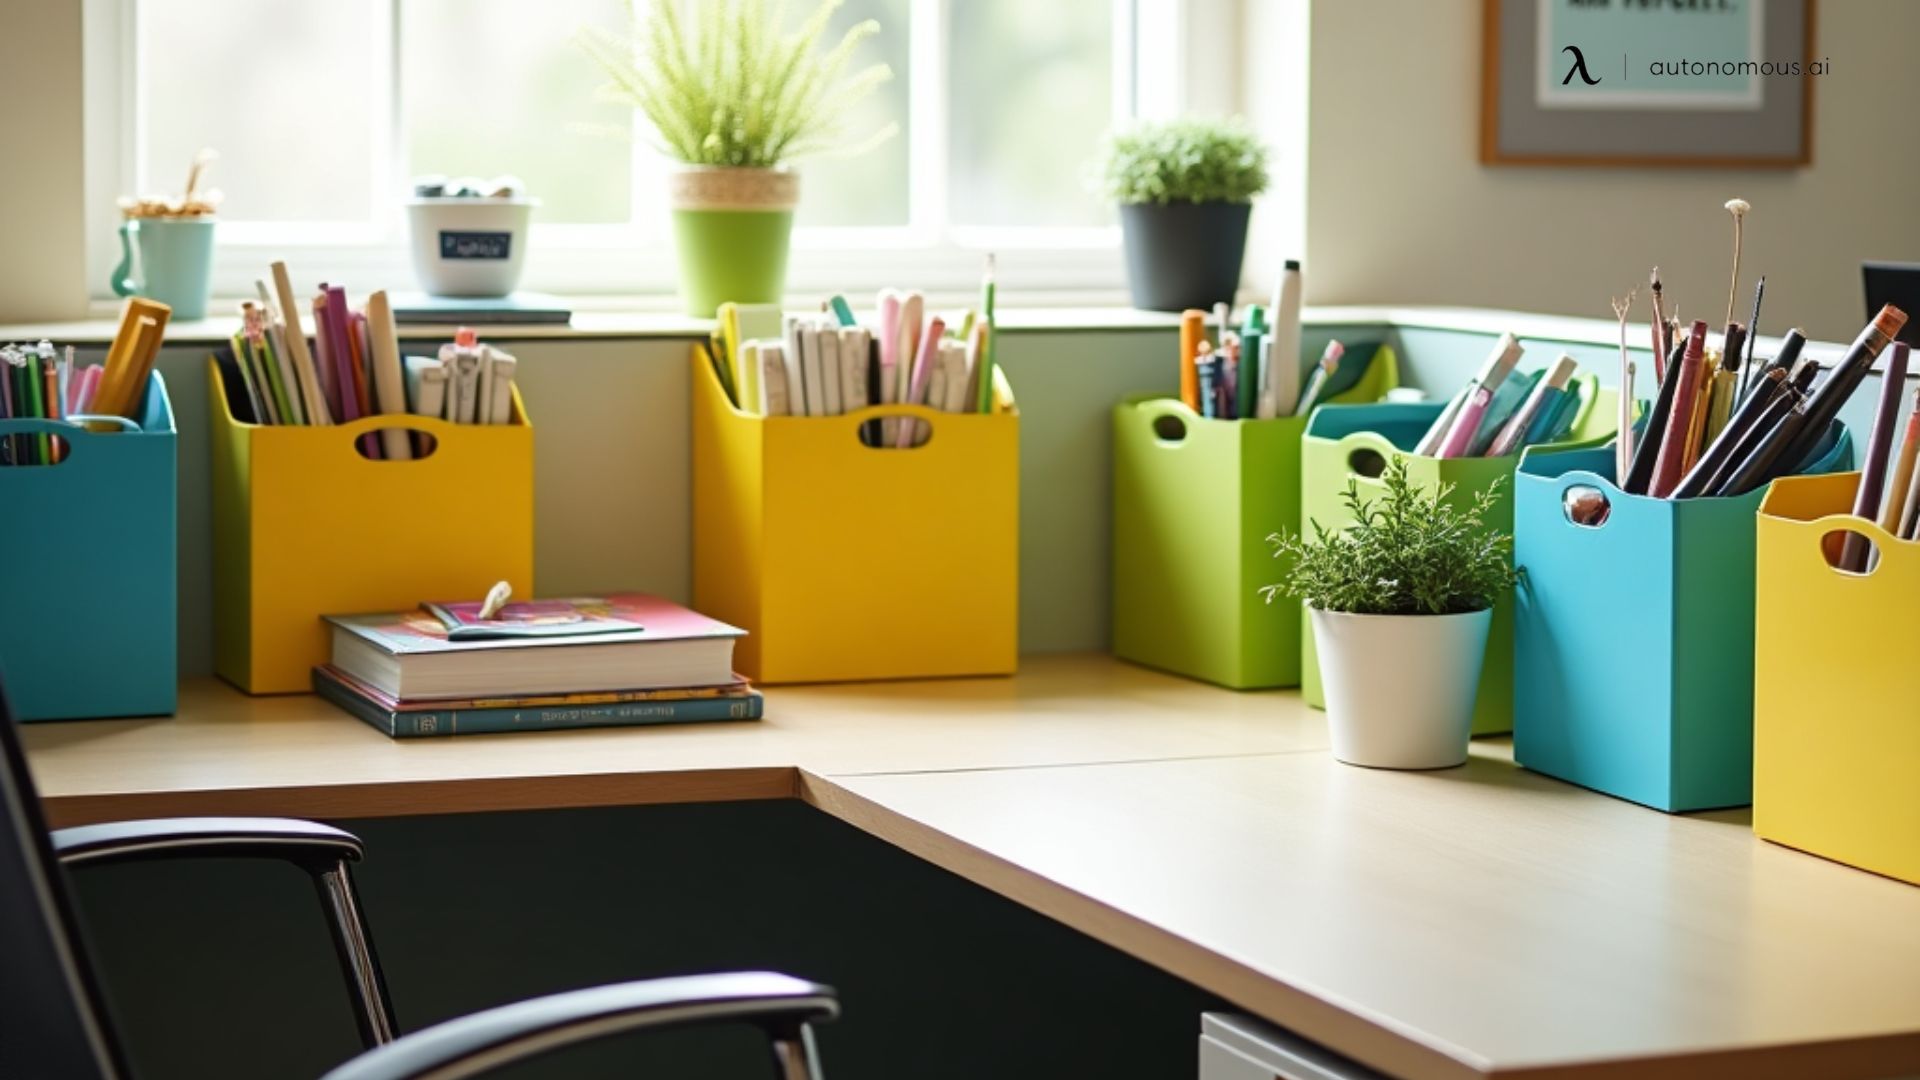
<point x="870" y="188"/>
<point x="497" y="86"/>
<point x="1030" y="93"/>
<point x="284" y="89"/>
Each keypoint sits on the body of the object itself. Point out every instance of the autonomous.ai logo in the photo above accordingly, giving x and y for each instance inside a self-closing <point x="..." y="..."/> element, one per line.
<point x="1579" y="67"/>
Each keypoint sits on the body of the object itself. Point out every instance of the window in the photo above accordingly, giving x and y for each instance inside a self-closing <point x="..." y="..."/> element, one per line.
<point x="323" y="112"/>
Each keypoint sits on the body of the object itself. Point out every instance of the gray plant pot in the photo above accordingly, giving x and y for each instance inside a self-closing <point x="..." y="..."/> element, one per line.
<point x="1184" y="255"/>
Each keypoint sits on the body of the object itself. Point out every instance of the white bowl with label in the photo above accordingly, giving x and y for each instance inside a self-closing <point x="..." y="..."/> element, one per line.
<point x="469" y="246"/>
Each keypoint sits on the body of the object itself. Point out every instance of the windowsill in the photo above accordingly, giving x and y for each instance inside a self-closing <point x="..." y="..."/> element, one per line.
<point x="616" y="319"/>
<point x="593" y="317"/>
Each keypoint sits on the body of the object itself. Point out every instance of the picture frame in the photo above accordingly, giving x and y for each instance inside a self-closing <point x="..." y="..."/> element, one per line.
<point x="1722" y="84"/>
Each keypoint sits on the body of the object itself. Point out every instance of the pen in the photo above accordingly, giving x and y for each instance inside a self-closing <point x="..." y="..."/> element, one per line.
<point x="1844" y="379"/>
<point x="1246" y="373"/>
<point x="1280" y="365"/>
<point x="1466" y="427"/>
<point x="1771" y="448"/>
<point x="1725" y="384"/>
<point x="842" y="311"/>
<point x="1329" y="363"/>
<point x="1203" y="365"/>
<point x="1747" y="375"/>
<point x="1698" y="480"/>
<point x="988" y="353"/>
<point x="1647" y="453"/>
<point x="1673" y="450"/>
<point x="1873" y="470"/>
<point x="922" y="372"/>
<point x="1227" y="379"/>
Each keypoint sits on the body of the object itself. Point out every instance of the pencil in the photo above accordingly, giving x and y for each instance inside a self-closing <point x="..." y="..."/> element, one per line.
<point x="1844" y="380"/>
<point x="1193" y="330"/>
<point x="1893" y="504"/>
<point x="1668" y="466"/>
<point x="1873" y="470"/>
<point x="1753" y="336"/>
<point x="1699" y="479"/>
<point x="1647" y="452"/>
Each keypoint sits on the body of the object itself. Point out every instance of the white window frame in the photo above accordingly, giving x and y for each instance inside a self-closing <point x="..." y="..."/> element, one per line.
<point x="1165" y="54"/>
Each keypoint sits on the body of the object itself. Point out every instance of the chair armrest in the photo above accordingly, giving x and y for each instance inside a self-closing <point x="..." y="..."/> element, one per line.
<point x="313" y="846"/>
<point x="498" y="1037"/>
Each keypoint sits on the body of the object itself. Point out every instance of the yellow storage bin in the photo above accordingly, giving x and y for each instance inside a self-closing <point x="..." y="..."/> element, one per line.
<point x="303" y="526"/>
<point x="848" y="562"/>
<point x="1836" y="723"/>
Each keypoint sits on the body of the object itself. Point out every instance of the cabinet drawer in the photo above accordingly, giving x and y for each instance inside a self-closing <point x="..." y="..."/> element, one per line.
<point x="1235" y="1047"/>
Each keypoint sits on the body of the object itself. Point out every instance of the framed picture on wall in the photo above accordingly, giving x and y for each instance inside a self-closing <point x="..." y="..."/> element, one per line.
<point x="1648" y="82"/>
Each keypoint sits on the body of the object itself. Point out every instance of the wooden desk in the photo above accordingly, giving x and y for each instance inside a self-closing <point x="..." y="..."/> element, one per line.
<point x="1471" y="922"/>
<point x="1481" y="920"/>
<point x="226" y="753"/>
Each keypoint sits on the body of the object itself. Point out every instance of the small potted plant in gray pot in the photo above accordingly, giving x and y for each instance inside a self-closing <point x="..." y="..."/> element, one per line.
<point x="1185" y="189"/>
<point x="1400" y="604"/>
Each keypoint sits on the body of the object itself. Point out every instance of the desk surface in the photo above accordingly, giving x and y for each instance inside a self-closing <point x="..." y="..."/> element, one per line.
<point x="226" y="753"/>
<point x="1473" y="921"/>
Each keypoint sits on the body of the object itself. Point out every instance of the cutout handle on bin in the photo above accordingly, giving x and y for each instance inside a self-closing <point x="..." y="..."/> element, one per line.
<point x="1366" y="461"/>
<point x="926" y="419"/>
<point x="1170" y="420"/>
<point x="1367" y="454"/>
<point x="1834" y="542"/>
<point x="422" y="443"/>
<point x="1585" y="506"/>
<point x="427" y="431"/>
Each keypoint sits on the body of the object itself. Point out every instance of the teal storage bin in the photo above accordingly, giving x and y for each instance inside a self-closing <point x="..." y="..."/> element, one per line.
<point x="89" y="626"/>
<point x="1194" y="501"/>
<point x="1356" y="442"/>
<point x="1633" y="656"/>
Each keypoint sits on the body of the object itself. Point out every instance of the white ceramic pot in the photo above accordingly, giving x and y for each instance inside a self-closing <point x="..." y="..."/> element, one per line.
<point x="469" y="246"/>
<point x="1400" y="688"/>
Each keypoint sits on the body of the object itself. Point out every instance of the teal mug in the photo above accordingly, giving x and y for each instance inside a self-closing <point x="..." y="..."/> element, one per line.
<point x="176" y="263"/>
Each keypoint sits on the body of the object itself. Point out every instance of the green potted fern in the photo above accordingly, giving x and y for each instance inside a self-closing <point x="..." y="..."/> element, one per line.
<point x="1400" y="604"/>
<point x="734" y="99"/>
<point x="1186" y="190"/>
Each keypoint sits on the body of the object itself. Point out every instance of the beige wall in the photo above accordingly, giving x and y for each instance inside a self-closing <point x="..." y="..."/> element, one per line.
<point x="42" y="198"/>
<point x="1400" y="209"/>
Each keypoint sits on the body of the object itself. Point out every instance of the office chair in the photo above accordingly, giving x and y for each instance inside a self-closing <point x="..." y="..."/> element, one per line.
<point x="54" y="1024"/>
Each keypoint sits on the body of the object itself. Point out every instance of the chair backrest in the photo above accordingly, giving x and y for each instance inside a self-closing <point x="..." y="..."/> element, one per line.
<point x="53" y="1025"/>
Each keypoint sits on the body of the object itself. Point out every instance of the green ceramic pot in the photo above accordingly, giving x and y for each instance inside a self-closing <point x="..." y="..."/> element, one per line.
<point x="733" y="228"/>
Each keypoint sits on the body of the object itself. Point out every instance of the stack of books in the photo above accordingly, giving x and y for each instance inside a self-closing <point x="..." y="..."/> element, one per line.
<point x="443" y="669"/>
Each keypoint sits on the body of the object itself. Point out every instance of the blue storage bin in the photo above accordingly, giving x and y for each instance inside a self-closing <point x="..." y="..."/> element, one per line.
<point x="1633" y="643"/>
<point x="89" y="626"/>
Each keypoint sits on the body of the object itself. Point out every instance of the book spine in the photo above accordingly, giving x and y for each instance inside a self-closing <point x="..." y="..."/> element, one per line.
<point x="555" y="717"/>
<point x="332" y="691"/>
<point x="414" y="725"/>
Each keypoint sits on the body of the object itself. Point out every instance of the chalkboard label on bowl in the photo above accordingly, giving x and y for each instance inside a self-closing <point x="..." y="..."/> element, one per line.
<point x="475" y="245"/>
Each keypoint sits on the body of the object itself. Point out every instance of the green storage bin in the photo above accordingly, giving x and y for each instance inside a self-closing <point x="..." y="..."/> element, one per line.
<point x="1194" y="501"/>
<point x="1357" y="441"/>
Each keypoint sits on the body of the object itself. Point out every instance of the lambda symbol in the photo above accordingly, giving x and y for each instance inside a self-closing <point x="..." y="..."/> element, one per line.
<point x="1579" y="66"/>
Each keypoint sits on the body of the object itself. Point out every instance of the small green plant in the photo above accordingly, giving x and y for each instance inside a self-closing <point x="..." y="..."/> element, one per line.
<point x="734" y="88"/>
<point x="1184" y="161"/>
<point x="1408" y="553"/>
